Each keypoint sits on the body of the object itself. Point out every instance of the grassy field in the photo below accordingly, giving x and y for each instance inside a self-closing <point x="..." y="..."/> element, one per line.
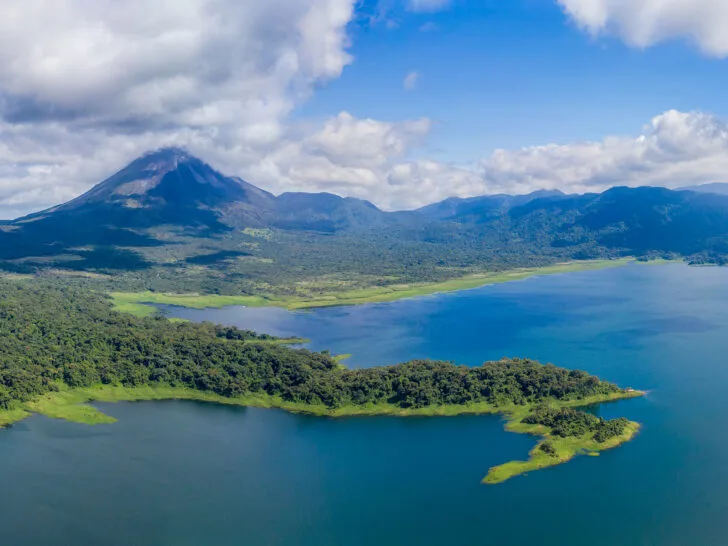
<point x="342" y="357"/>
<point x="72" y="405"/>
<point x="134" y="302"/>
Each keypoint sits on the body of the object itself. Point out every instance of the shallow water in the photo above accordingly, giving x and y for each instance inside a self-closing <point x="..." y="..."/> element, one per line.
<point x="188" y="473"/>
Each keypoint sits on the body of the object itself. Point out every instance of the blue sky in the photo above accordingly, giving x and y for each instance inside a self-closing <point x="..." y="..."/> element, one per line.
<point x="401" y="102"/>
<point x="515" y="73"/>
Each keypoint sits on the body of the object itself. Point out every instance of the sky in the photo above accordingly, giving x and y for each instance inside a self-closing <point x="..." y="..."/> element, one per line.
<point x="401" y="102"/>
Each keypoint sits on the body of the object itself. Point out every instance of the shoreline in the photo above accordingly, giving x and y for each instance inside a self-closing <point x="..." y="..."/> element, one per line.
<point x="72" y="404"/>
<point x="565" y="449"/>
<point x="141" y="303"/>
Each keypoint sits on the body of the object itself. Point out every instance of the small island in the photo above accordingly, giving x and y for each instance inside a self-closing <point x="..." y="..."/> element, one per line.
<point x="61" y="347"/>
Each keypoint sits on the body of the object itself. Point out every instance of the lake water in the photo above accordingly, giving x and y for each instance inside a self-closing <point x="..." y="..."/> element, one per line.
<point x="183" y="473"/>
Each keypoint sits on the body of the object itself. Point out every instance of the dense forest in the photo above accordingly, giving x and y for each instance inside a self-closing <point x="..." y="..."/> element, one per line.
<point x="51" y="335"/>
<point x="567" y="422"/>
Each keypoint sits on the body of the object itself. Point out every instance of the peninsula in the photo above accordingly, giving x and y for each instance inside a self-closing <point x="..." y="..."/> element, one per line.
<point x="62" y="347"/>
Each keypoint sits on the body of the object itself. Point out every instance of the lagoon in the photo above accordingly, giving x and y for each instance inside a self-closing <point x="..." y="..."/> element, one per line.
<point x="190" y="473"/>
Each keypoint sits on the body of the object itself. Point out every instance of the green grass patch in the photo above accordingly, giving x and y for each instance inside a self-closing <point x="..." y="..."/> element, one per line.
<point x="8" y="417"/>
<point x="134" y="302"/>
<point x="287" y="341"/>
<point x="341" y="358"/>
<point x="68" y="405"/>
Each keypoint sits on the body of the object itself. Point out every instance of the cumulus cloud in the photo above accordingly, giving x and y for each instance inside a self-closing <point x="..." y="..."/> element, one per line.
<point x="179" y="62"/>
<point x="411" y="80"/>
<point x="645" y="22"/>
<point x="675" y="149"/>
<point x="348" y="156"/>
<point x="418" y="183"/>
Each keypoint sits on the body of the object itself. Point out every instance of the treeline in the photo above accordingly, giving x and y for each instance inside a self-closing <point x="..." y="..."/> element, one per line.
<point x="567" y="422"/>
<point x="57" y="334"/>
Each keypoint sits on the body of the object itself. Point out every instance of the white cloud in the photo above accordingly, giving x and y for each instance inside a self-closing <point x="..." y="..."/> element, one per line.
<point x="179" y="62"/>
<point x="344" y="139"/>
<point x="675" y="149"/>
<point x="411" y="80"/>
<point x="345" y="155"/>
<point x="418" y="183"/>
<point x="428" y="6"/>
<point x="645" y="22"/>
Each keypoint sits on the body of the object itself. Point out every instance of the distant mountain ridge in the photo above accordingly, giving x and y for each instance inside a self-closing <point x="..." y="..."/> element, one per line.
<point x="170" y="215"/>
<point x="171" y="187"/>
<point x="718" y="188"/>
<point x="171" y="178"/>
<point x="483" y="207"/>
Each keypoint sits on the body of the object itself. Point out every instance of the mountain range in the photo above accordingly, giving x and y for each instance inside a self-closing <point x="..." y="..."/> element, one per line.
<point x="168" y="220"/>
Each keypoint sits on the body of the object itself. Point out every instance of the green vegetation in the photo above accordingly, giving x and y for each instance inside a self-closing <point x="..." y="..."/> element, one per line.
<point x="342" y="358"/>
<point x="134" y="303"/>
<point x="567" y="422"/>
<point x="61" y="347"/>
<point x="558" y="447"/>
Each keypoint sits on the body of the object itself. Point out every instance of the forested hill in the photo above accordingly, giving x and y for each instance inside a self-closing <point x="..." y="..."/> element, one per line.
<point x="170" y="222"/>
<point x="55" y="336"/>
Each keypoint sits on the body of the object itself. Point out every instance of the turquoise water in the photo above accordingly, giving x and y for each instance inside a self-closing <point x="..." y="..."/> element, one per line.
<point x="183" y="473"/>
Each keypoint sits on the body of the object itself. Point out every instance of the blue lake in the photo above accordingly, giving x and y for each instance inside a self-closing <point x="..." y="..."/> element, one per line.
<point x="183" y="473"/>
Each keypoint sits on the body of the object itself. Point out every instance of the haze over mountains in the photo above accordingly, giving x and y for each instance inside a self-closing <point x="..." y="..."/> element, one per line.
<point x="718" y="188"/>
<point x="168" y="211"/>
